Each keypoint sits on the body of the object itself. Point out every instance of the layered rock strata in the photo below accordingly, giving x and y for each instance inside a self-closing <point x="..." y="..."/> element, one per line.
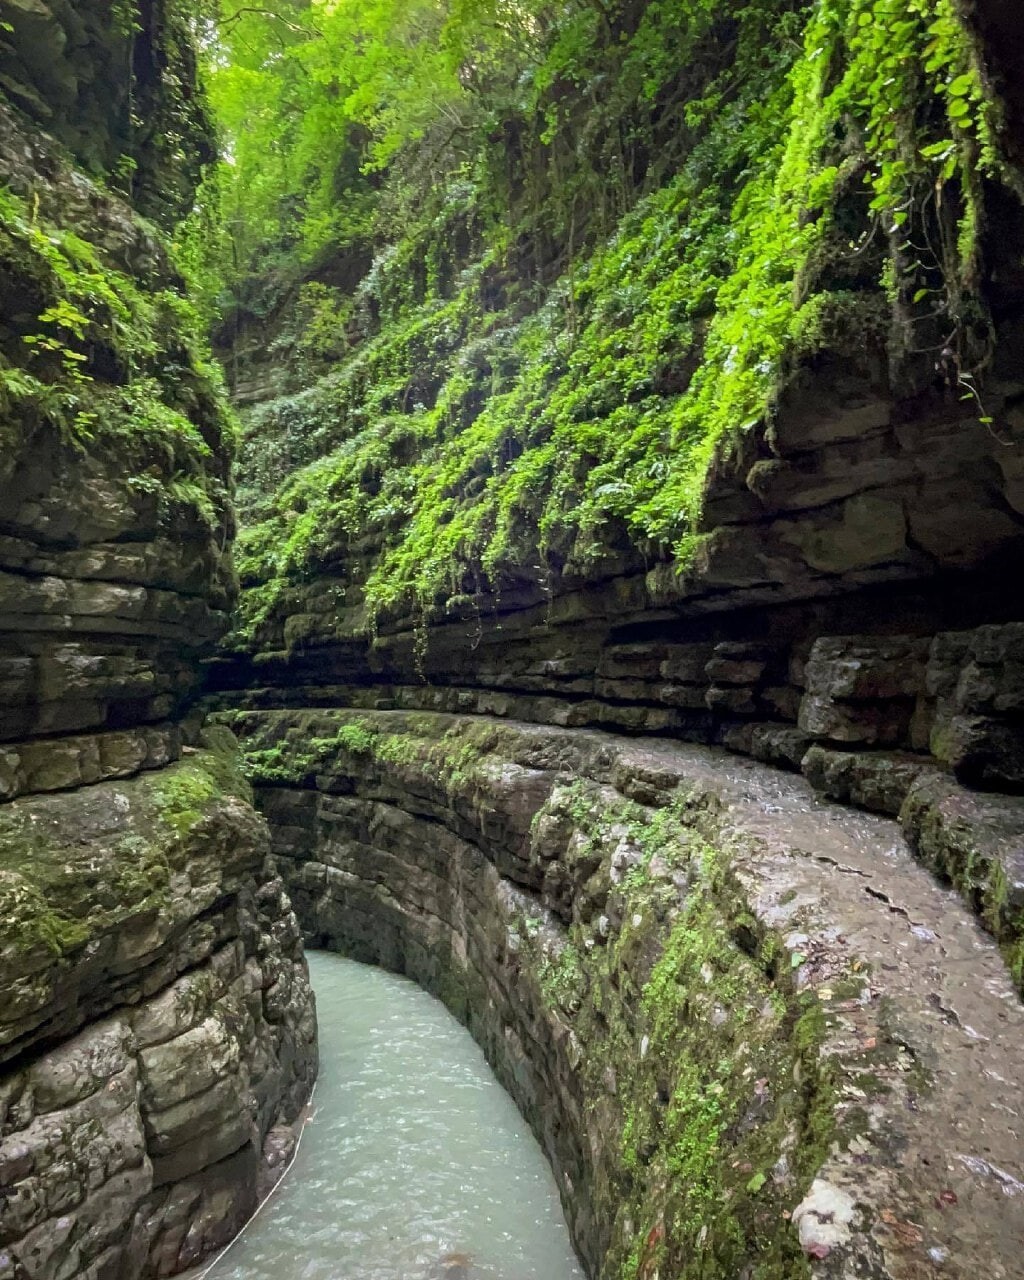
<point x="927" y="728"/>
<point x="115" y="572"/>
<point x="850" y="594"/>
<point x="870" y="523"/>
<point x="156" y="1026"/>
<point x="754" y="1037"/>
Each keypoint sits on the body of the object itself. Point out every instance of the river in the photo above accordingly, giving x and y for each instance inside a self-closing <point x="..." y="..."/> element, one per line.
<point x="415" y="1165"/>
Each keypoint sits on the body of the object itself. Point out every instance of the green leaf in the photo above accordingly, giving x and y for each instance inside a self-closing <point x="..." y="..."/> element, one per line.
<point x="756" y="1183"/>
<point x="961" y="86"/>
<point x="938" y="150"/>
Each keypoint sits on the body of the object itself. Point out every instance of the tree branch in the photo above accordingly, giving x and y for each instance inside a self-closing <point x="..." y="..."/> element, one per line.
<point x="266" y="13"/>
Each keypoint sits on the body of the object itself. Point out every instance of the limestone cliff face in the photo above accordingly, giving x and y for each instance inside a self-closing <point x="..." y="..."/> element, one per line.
<point x="115" y="576"/>
<point x="157" y="1031"/>
<point x="156" y="1022"/>
<point x="416" y="542"/>
<point x="116" y="84"/>
<point x="850" y="615"/>
<point x="753" y="1035"/>
<point x="719" y="999"/>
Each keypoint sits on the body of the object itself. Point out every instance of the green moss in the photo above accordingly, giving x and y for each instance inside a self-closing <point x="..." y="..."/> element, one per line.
<point x="953" y="851"/>
<point x="110" y="363"/>
<point x="1003" y="914"/>
<point x="701" y="1070"/>
<point x="477" y="431"/>
<point x="182" y="798"/>
<point x="32" y="924"/>
<point x="58" y="891"/>
<point x="144" y="871"/>
<point x="38" y="914"/>
<point x="1013" y="952"/>
<point x="302" y="752"/>
<point x="562" y="976"/>
<point x="719" y="1070"/>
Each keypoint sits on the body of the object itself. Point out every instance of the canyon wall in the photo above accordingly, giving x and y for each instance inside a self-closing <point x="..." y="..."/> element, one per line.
<point x="752" y="1034"/>
<point x="566" y="498"/>
<point x="689" y="431"/>
<point x="554" y="520"/>
<point x="540" y="550"/>
<point x="157" y="1030"/>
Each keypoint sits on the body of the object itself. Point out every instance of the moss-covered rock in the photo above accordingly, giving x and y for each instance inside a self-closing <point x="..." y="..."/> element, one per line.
<point x="156" y="1020"/>
<point x="103" y="884"/>
<point x="717" y="374"/>
<point x="719" y="1002"/>
<point x="115" y="450"/>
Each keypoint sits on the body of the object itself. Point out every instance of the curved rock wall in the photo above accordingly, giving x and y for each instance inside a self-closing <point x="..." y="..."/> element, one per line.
<point x="754" y="1037"/>
<point x="748" y="1027"/>
<point x="844" y="580"/>
<point x="850" y="596"/>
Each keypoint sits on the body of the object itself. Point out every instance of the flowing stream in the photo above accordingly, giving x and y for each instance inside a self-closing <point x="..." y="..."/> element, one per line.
<point x="416" y="1164"/>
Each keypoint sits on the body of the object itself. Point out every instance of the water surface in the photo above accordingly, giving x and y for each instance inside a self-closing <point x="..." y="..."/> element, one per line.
<point x="416" y="1164"/>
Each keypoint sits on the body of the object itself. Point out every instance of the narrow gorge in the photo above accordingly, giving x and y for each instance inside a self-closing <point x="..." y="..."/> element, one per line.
<point x="530" y="497"/>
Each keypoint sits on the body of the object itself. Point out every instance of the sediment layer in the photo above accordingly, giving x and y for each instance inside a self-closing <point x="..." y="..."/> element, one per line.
<point x="753" y="1035"/>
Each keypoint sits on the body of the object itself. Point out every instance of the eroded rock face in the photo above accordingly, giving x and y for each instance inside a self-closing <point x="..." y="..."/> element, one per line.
<point x="748" y="1028"/>
<point x="156" y="1022"/>
<point x="115" y="85"/>
<point x="852" y="581"/>
<point x="950" y="697"/>
<point x="115" y="515"/>
<point x="157" y="1031"/>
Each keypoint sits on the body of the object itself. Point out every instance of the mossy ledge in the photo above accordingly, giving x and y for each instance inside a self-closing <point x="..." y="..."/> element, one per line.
<point x="100" y="883"/>
<point x="705" y="989"/>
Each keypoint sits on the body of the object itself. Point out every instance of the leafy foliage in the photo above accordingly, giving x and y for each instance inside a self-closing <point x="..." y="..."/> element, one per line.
<point x="107" y="360"/>
<point x="605" y="235"/>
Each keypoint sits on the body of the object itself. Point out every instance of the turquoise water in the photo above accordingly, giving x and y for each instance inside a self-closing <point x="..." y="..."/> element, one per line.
<point x="416" y="1164"/>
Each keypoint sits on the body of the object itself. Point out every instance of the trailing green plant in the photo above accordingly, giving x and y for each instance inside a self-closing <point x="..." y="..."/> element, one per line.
<point x="606" y="235"/>
<point x="105" y="359"/>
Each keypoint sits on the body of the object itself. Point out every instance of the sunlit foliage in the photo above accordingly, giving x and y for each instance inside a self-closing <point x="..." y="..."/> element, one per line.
<point x="603" y="235"/>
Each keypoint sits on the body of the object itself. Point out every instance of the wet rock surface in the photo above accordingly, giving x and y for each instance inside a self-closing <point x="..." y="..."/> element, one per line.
<point x="156" y="1022"/>
<point x="116" y="578"/>
<point x="947" y="697"/>
<point x="747" y="1025"/>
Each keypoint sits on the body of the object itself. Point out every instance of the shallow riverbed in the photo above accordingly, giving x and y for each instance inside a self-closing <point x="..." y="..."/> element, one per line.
<point x="416" y="1164"/>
